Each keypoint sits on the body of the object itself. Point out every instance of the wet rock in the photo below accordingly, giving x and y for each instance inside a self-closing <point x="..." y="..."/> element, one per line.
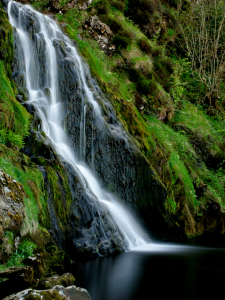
<point x="101" y="33"/>
<point x="17" y="279"/>
<point x="77" y="220"/>
<point x="37" y="264"/>
<point x="11" y="203"/>
<point x="16" y="272"/>
<point x="38" y="146"/>
<point x="56" y="293"/>
<point x="64" y="280"/>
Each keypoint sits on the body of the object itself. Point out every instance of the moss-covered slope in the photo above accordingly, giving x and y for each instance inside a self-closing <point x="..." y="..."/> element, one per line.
<point x="24" y="230"/>
<point x="149" y="81"/>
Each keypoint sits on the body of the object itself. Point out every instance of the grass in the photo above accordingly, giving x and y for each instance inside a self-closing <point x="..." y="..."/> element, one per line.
<point x="14" y="119"/>
<point x="25" y="249"/>
<point x="179" y="148"/>
<point x="26" y="174"/>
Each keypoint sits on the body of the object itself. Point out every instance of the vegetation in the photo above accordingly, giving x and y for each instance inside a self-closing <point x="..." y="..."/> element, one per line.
<point x="151" y="73"/>
<point x="14" y="119"/>
<point x="203" y="29"/>
<point x="152" y="85"/>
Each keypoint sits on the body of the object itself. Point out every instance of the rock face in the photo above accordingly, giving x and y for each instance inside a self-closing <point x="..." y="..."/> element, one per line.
<point x="11" y="203"/>
<point x="101" y="33"/>
<point x="103" y="143"/>
<point x="78" y="221"/>
<point x="56" y="293"/>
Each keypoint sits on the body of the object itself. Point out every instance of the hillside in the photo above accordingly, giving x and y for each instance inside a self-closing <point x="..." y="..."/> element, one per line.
<point x="168" y="163"/>
<point x="139" y="61"/>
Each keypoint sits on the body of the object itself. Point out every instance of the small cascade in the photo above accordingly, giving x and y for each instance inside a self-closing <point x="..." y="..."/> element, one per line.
<point x="36" y="33"/>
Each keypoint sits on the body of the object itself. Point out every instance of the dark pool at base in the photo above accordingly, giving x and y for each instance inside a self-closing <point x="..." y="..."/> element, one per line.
<point x="182" y="273"/>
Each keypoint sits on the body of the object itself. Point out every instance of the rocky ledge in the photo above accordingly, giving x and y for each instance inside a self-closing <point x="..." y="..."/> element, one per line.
<point x="56" y="293"/>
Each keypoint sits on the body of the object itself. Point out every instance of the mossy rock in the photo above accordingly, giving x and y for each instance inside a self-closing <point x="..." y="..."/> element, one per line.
<point x="56" y="293"/>
<point x="64" y="280"/>
<point x="6" y="41"/>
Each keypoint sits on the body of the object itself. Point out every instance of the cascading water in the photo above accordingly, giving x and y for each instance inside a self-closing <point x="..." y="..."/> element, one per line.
<point x="41" y="81"/>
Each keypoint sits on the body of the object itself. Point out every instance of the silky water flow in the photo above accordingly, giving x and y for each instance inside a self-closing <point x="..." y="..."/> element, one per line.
<point x="44" y="96"/>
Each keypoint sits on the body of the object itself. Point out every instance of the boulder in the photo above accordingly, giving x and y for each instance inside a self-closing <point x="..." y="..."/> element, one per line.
<point x="37" y="264"/>
<point x="64" y="280"/>
<point x="82" y="4"/>
<point x="12" y="196"/>
<point x="16" y="279"/>
<point x="56" y="293"/>
<point x="101" y="33"/>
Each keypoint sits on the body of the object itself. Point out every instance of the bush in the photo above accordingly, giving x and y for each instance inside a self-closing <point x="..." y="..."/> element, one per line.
<point x="145" y="46"/>
<point x="102" y="7"/>
<point x="118" y="5"/>
<point x="9" y="138"/>
<point x="163" y="70"/>
<point x="120" y="41"/>
<point x="144" y="5"/>
<point x="25" y="250"/>
<point x="144" y="86"/>
<point x="114" y="24"/>
<point x="140" y="11"/>
<point x="126" y="33"/>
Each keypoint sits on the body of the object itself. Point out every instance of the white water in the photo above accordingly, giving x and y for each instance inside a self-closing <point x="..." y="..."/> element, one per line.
<point x="50" y="111"/>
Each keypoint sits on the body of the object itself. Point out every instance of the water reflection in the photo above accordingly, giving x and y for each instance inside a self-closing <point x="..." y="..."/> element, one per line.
<point x="168" y="271"/>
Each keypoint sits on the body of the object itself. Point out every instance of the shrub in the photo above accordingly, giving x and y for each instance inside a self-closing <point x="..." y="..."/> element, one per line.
<point x="145" y="46"/>
<point x="120" y="41"/>
<point x="9" y="138"/>
<point x="118" y="5"/>
<point x="140" y="11"/>
<point x="144" y="5"/>
<point x="144" y="86"/>
<point x="25" y="250"/>
<point x="114" y="24"/>
<point x="102" y="6"/>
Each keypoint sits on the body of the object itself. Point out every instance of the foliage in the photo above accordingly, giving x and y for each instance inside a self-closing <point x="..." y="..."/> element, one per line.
<point x="19" y="167"/>
<point x="120" y="41"/>
<point x="185" y="149"/>
<point x="203" y="28"/>
<point x="10" y="138"/>
<point x="120" y="5"/>
<point x="177" y="90"/>
<point x="14" y="119"/>
<point x="25" y="249"/>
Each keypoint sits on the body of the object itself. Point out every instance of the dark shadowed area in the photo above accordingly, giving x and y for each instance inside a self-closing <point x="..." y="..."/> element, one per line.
<point x="179" y="272"/>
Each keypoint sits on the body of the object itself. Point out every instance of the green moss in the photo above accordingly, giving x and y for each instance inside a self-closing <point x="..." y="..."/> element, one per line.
<point x="19" y="167"/>
<point x="14" y="119"/>
<point x="186" y="148"/>
<point x="6" y="41"/>
<point x="60" y="191"/>
<point x="25" y="249"/>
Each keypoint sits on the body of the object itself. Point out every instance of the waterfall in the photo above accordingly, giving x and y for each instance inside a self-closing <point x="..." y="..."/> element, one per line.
<point x="35" y="34"/>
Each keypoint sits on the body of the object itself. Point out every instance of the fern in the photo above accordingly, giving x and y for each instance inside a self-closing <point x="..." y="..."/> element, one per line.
<point x="10" y="138"/>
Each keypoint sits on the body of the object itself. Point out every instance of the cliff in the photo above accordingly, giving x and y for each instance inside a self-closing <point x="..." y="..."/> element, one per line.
<point x="156" y="147"/>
